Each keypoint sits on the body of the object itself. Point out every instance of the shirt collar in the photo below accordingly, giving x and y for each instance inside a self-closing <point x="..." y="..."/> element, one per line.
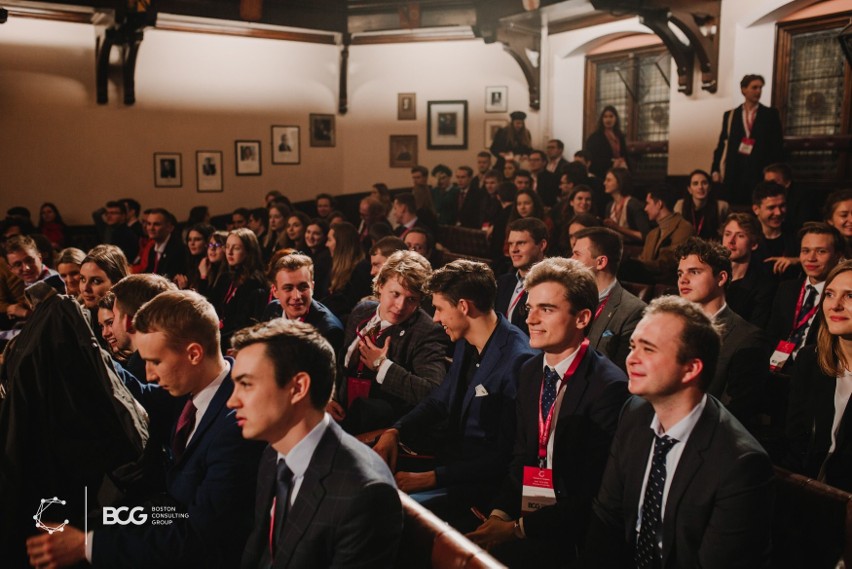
<point x="202" y="399"/>
<point x="819" y="286"/>
<point x="376" y="319"/>
<point x="299" y="457"/>
<point x="562" y="367"/>
<point x="605" y="292"/>
<point x="681" y="430"/>
<point x="160" y="247"/>
<point x="718" y="312"/>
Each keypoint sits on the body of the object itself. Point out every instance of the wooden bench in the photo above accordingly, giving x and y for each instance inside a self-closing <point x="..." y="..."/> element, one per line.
<point x="429" y="542"/>
<point x="812" y="525"/>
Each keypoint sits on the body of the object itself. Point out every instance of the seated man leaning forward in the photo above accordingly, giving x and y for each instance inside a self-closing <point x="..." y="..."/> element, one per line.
<point x="393" y="353"/>
<point x="476" y="401"/>
<point x="323" y="498"/>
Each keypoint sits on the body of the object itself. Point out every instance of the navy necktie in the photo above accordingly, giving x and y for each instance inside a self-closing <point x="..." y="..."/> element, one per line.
<point x="798" y="335"/>
<point x="283" y="484"/>
<point x="548" y="394"/>
<point x="648" y="554"/>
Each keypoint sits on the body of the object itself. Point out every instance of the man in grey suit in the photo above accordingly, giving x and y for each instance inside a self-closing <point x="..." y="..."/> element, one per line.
<point x="323" y="498"/>
<point x="618" y="311"/>
<point x="704" y="270"/>
<point x="685" y="485"/>
<point x="393" y="354"/>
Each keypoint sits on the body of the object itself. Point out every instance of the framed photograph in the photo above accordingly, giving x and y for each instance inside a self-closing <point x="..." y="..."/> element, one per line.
<point x="322" y="130"/>
<point x="247" y="154"/>
<point x="209" y="170"/>
<point x="406" y="107"/>
<point x="491" y="128"/>
<point x="403" y="151"/>
<point x="446" y="125"/>
<point x="496" y="99"/>
<point x="168" y="170"/>
<point x="285" y="145"/>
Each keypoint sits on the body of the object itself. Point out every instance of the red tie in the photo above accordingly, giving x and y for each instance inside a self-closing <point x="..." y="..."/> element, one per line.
<point x="186" y="422"/>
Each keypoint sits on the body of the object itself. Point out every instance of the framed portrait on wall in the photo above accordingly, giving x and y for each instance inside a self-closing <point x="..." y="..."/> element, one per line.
<point x="496" y="99"/>
<point x="285" y="145"/>
<point x="322" y="130"/>
<point x="247" y="153"/>
<point x="446" y="125"/>
<point x="168" y="170"/>
<point x="208" y="165"/>
<point x="406" y="107"/>
<point x="403" y="151"/>
<point x="491" y="128"/>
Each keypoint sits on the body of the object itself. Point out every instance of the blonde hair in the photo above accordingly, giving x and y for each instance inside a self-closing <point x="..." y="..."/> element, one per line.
<point x="829" y="355"/>
<point x="411" y="268"/>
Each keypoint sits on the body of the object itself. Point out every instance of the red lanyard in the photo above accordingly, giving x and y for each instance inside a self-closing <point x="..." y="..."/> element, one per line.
<point x="515" y="302"/>
<point x="544" y="424"/>
<point x="232" y="290"/>
<point x="601" y="306"/>
<point x="748" y="120"/>
<point x="700" y="223"/>
<point x="798" y="319"/>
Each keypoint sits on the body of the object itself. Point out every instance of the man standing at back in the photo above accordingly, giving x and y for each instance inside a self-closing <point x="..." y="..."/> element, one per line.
<point x="686" y="485"/>
<point x="323" y="498"/>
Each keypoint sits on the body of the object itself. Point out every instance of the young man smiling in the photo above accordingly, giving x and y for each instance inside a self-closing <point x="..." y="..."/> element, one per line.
<point x="527" y="239"/>
<point x="567" y="411"/>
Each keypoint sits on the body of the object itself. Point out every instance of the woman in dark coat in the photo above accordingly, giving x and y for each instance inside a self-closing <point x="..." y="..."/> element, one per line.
<point x="607" y="145"/>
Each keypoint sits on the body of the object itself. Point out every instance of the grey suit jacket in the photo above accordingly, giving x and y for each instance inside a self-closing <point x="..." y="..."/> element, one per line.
<point x="718" y="513"/>
<point x="610" y="332"/>
<point x="347" y="512"/>
<point x="741" y="371"/>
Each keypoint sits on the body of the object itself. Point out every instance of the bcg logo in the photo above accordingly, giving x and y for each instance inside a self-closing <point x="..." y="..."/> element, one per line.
<point x="124" y="515"/>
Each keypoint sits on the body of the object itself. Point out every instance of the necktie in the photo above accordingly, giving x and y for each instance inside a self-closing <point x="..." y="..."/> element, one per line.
<point x="548" y="394"/>
<point x="283" y="483"/>
<point x="798" y="335"/>
<point x="153" y="260"/>
<point x="186" y="422"/>
<point x="647" y="551"/>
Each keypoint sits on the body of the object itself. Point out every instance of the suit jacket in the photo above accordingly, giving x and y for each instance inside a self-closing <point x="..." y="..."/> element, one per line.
<point x="446" y="204"/>
<point x="783" y="311"/>
<point x="479" y="456"/>
<point x="610" y="332"/>
<point x="347" y="512"/>
<point x="741" y="371"/>
<point x="718" y="512"/>
<point x="588" y="416"/>
<point x="244" y="308"/>
<point x="547" y="187"/>
<point x="470" y="213"/>
<point x="505" y="287"/>
<point x="658" y="250"/>
<point x="743" y="172"/>
<point x="172" y="262"/>
<point x="810" y="419"/>
<point x="213" y="482"/>
<point x="417" y="350"/>
<point x="751" y="296"/>
<point x="318" y="316"/>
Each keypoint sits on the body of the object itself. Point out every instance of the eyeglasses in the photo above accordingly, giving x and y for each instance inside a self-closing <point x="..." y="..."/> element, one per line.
<point x="214" y="245"/>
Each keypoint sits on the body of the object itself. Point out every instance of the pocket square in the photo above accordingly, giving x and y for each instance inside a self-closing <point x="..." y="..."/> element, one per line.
<point x="607" y="334"/>
<point x="480" y="391"/>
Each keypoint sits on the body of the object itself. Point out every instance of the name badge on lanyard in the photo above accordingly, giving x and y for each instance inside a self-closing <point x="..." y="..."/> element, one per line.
<point x="538" y="489"/>
<point x="747" y="143"/>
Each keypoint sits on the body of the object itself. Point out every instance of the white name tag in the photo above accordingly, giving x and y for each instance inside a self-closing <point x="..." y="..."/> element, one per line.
<point x="538" y="489"/>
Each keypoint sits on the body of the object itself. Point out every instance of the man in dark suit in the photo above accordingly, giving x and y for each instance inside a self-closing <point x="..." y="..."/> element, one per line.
<point x="796" y="302"/>
<point x="323" y="498"/>
<point x="545" y="183"/>
<point x="294" y="299"/>
<point x="527" y="238"/>
<point x="556" y="162"/>
<point x="393" y="354"/>
<point x="476" y="400"/>
<point x="618" y="311"/>
<point x="750" y="140"/>
<point x="211" y="469"/>
<point x="751" y="289"/>
<point x="704" y="269"/>
<point x="685" y="485"/>
<point x="578" y="393"/>
<point x="405" y="213"/>
<point x="469" y="199"/>
<point x="164" y="254"/>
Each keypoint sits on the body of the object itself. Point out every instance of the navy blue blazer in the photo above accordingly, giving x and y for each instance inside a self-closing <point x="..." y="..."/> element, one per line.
<point x="318" y="316"/>
<point x="505" y="287"/>
<point x="588" y="417"/>
<point x="488" y="421"/>
<point x="214" y="483"/>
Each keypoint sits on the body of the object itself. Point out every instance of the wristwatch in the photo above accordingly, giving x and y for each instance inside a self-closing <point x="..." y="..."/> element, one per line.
<point x="379" y="361"/>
